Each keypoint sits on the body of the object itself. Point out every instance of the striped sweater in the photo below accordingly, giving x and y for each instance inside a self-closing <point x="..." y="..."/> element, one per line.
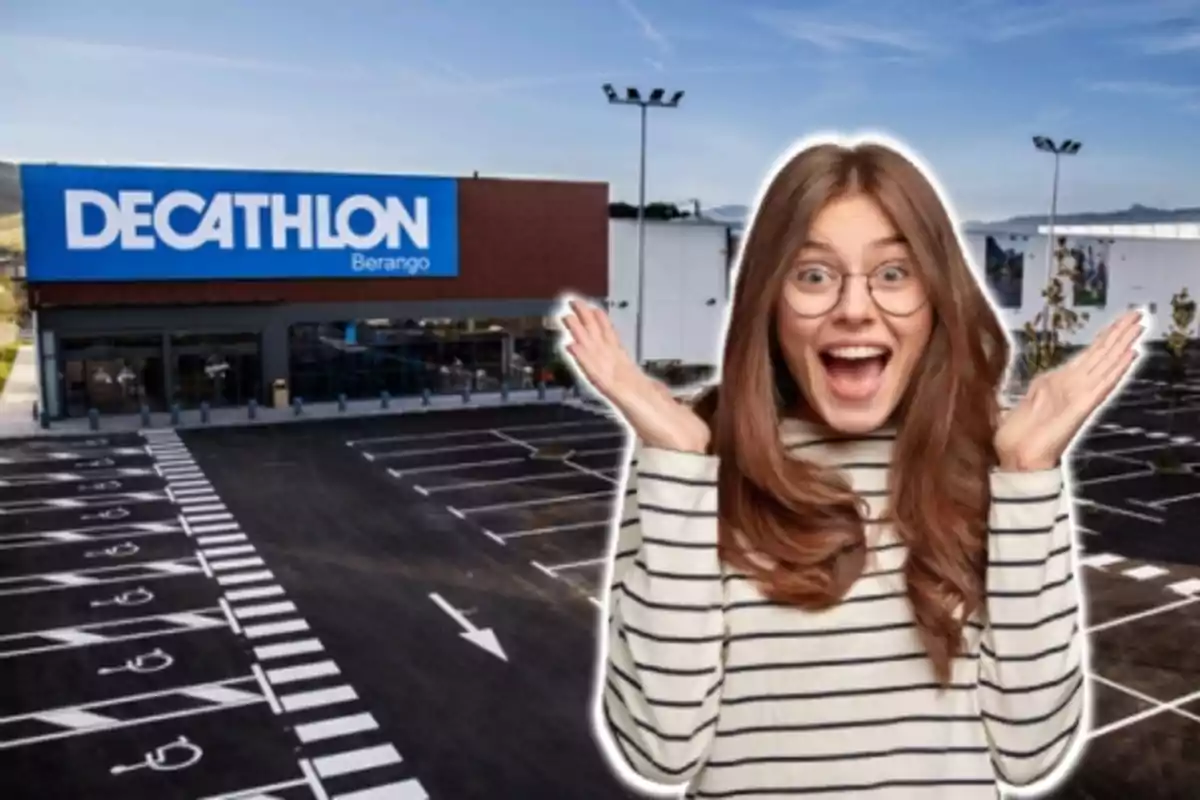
<point x="707" y="684"/>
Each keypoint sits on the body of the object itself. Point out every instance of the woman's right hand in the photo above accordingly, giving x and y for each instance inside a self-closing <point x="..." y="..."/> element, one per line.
<point x="657" y="418"/>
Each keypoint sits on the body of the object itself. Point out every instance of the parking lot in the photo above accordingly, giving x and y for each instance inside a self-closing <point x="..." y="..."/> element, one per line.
<point x="147" y="650"/>
<point x="384" y="601"/>
<point x="546" y="490"/>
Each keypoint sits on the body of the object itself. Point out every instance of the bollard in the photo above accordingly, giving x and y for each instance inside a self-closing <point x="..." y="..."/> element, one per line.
<point x="385" y="399"/>
<point x="575" y="391"/>
<point x="541" y="390"/>
<point x="175" y="413"/>
<point x="341" y="400"/>
<point x="93" y="419"/>
<point x="35" y="410"/>
<point x="252" y="409"/>
<point x="145" y="416"/>
<point x="466" y="394"/>
<point x="504" y="392"/>
<point x="425" y="398"/>
<point x="204" y="412"/>
<point x="297" y="406"/>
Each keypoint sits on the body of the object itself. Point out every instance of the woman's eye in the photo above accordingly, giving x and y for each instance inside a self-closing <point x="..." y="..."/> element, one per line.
<point x="812" y="275"/>
<point x="893" y="273"/>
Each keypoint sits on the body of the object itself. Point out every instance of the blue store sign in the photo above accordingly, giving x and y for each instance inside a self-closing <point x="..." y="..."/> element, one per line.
<point x="147" y="224"/>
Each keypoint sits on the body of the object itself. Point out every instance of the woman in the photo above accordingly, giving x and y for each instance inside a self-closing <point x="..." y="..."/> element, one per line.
<point x="842" y="572"/>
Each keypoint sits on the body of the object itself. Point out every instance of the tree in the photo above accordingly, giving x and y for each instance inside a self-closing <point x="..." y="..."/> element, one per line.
<point x="1179" y="339"/>
<point x="1045" y="345"/>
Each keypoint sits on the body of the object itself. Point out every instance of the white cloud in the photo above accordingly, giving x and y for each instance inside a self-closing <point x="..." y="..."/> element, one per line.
<point x="844" y="36"/>
<point x="647" y="28"/>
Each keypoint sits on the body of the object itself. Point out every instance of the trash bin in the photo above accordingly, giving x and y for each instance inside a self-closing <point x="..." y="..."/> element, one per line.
<point x="279" y="393"/>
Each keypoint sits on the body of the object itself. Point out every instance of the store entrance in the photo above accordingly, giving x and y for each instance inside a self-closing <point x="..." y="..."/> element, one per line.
<point x="221" y="369"/>
<point x="112" y="374"/>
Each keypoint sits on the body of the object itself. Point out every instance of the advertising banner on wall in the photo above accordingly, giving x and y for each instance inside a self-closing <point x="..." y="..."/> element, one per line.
<point x="1004" y="268"/>
<point x="1088" y="261"/>
<point x="87" y="223"/>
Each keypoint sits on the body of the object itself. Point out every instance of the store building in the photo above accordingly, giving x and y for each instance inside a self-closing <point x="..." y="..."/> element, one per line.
<point x="160" y="286"/>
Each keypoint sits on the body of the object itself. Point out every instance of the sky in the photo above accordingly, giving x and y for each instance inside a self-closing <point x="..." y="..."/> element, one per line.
<point x="513" y="87"/>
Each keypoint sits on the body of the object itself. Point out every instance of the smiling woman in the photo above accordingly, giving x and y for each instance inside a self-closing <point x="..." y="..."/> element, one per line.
<point x="843" y="571"/>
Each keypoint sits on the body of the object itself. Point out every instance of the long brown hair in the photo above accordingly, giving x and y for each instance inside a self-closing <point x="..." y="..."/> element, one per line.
<point x="805" y="520"/>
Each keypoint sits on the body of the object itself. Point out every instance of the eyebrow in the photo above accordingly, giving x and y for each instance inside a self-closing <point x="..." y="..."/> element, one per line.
<point x="886" y="241"/>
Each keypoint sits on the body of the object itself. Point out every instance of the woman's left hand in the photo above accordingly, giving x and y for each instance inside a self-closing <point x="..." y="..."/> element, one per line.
<point x="1036" y="434"/>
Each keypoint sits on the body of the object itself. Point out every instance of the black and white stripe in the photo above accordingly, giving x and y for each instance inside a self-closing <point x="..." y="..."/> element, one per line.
<point x="708" y="684"/>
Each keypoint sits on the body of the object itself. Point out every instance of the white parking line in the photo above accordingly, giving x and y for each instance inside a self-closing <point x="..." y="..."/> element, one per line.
<point x="1165" y="607"/>
<point x="540" y="501"/>
<point x="363" y="758"/>
<point x="1083" y="501"/>
<point x="569" y="462"/>
<point x="317" y="698"/>
<point x="426" y="437"/>
<point x="284" y="649"/>
<point x="549" y="476"/>
<point x="1156" y="707"/>
<point x="587" y="562"/>
<point x="397" y="473"/>
<point x="335" y="726"/>
<point x="573" y="526"/>
<point x="69" y="637"/>
<point x="239" y="578"/>
<point x="1111" y="478"/>
<point x="254" y="593"/>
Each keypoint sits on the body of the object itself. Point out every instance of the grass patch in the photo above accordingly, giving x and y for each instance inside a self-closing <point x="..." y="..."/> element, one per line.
<point x="8" y="354"/>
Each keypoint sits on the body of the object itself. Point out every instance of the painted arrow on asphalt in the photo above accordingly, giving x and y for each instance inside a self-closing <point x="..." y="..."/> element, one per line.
<point x="484" y="638"/>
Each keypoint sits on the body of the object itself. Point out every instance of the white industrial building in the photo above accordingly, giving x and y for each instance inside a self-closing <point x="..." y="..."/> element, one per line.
<point x="1121" y="266"/>
<point x="688" y="263"/>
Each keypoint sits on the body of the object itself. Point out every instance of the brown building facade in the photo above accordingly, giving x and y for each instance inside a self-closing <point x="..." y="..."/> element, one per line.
<point x="121" y="346"/>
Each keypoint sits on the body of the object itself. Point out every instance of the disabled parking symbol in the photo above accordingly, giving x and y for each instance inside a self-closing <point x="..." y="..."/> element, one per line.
<point x="116" y="551"/>
<point x="176" y="755"/>
<point x="120" y="512"/>
<point x="133" y="597"/>
<point x="154" y="661"/>
<point x="99" y="462"/>
<point x="102" y="486"/>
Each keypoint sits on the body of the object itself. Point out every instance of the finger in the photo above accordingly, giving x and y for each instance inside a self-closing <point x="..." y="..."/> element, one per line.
<point x="1108" y="380"/>
<point x="576" y="329"/>
<point x="593" y="317"/>
<point x="1110" y="342"/>
<point x="610" y="331"/>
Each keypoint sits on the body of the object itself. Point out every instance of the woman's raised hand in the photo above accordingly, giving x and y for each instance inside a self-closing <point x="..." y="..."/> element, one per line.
<point x="656" y="417"/>
<point x="1036" y="434"/>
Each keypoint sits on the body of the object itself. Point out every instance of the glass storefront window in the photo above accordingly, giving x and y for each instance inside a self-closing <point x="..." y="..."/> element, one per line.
<point x="222" y="369"/>
<point x="404" y="357"/>
<point x="114" y="374"/>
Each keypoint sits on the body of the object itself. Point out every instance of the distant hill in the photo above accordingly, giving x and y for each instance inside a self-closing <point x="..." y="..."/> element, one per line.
<point x="1136" y="214"/>
<point x="10" y="189"/>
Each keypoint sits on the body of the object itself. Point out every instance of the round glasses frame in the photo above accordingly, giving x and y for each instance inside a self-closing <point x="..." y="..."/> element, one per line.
<point x="843" y="279"/>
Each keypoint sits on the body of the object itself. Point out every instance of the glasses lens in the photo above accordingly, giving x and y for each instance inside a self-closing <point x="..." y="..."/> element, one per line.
<point x="812" y="298"/>
<point x="897" y="296"/>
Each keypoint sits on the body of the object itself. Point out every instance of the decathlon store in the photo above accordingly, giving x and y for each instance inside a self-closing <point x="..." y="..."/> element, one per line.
<point x="162" y="286"/>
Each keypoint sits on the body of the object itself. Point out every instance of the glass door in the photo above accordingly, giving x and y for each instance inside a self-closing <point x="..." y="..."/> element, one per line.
<point x="112" y="374"/>
<point x="221" y="369"/>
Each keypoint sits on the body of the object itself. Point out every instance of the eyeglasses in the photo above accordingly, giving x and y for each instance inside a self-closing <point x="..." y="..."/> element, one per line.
<point x="813" y="291"/>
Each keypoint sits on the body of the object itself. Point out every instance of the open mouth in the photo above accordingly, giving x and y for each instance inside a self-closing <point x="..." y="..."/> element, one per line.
<point x="855" y="372"/>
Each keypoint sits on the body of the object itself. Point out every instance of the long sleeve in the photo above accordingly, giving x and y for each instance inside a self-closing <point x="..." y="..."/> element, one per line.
<point x="1032" y="689"/>
<point x="661" y="657"/>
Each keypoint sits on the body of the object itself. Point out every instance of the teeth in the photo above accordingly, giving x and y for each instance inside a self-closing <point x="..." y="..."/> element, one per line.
<point x="857" y="352"/>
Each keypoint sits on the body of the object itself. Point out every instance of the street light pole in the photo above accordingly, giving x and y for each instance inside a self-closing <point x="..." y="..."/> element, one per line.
<point x="633" y="97"/>
<point x="1067" y="147"/>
